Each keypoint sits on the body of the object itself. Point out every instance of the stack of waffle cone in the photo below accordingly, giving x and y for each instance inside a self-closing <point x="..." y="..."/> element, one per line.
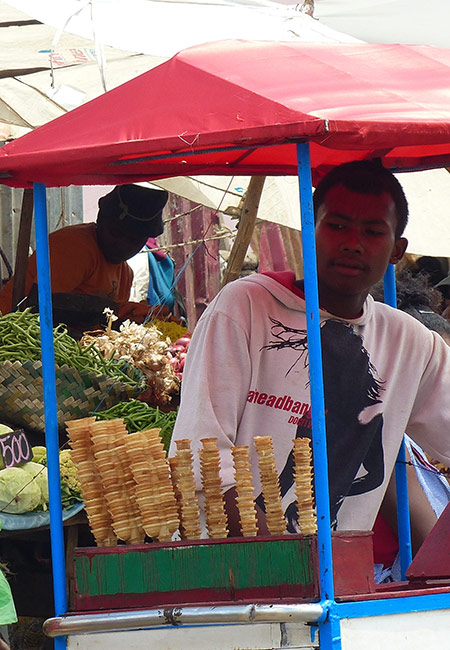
<point x="100" y="520"/>
<point x="216" y="519"/>
<point x="276" y="522"/>
<point x="154" y="492"/>
<point x="79" y="432"/>
<point x="303" y="476"/>
<point x="173" y="462"/>
<point x="184" y="487"/>
<point x="244" y="489"/>
<point x="170" y="522"/>
<point x="137" y="534"/>
<point x="118" y="500"/>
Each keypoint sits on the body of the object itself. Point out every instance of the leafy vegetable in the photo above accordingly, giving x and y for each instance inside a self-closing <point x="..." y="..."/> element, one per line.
<point x="18" y="492"/>
<point x="139" y="416"/>
<point x="38" y="472"/>
<point x="20" y="337"/>
<point x="70" y="485"/>
<point x="39" y="453"/>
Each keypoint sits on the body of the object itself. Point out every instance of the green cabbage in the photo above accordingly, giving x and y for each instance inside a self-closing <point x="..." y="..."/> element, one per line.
<point x="18" y="493"/>
<point x="39" y="474"/>
<point x="39" y="453"/>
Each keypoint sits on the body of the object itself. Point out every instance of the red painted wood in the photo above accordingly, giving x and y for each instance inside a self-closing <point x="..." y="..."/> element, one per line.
<point x="432" y="561"/>
<point x="200" y="281"/>
<point x="272" y="254"/>
<point x="190" y="597"/>
<point x="353" y="572"/>
<point x="352" y="563"/>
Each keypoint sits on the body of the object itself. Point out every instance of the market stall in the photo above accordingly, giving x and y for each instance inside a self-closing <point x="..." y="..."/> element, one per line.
<point x="133" y="373"/>
<point x="372" y="101"/>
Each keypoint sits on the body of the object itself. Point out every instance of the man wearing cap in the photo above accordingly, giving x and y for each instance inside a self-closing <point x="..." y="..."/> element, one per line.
<point x="89" y="259"/>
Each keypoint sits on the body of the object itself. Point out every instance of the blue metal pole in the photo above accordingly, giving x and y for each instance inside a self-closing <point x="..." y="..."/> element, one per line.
<point x="329" y="631"/>
<point x="401" y="481"/>
<point x="50" y="406"/>
<point x="390" y="291"/>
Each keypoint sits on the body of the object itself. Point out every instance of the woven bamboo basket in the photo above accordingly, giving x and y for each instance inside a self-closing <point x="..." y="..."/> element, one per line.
<point x="77" y="394"/>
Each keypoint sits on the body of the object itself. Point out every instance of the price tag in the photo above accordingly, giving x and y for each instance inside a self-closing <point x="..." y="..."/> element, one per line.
<point x="15" y="448"/>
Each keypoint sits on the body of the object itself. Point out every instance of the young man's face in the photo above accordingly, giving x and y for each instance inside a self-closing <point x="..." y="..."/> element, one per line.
<point x="355" y="239"/>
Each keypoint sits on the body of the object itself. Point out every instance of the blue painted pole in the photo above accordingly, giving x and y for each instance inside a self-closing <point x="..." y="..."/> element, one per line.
<point x="50" y="407"/>
<point x="390" y="291"/>
<point x="401" y="481"/>
<point x="330" y="630"/>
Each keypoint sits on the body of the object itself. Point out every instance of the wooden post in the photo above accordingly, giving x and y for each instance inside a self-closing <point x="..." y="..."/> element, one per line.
<point x="245" y="230"/>
<point x="23" y="245"/>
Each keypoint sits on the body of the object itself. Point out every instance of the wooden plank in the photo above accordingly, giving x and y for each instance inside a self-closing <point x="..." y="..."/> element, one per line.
<point x="245" y="230"/>
<point x="432" y="560"/>
<point x="236" y="569"/>
<point x="23" y="246"/>
<point x="163" y="574"/>
<point x="293" y="246"/>
<point x="200" y="281"/>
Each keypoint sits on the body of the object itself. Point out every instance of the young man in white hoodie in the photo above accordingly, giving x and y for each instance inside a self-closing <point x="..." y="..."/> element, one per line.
<point x="246" y="373"/>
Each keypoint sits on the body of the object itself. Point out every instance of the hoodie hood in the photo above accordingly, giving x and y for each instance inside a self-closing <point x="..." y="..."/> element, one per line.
<point x="280" y="286"/>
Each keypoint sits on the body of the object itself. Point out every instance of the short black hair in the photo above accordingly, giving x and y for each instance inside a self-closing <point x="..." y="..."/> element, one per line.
<point x="365" y="177"/>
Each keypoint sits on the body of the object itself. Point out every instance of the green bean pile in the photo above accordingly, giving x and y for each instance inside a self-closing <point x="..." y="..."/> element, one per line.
<point x="139" y="416"/>
<point x="20" y="340"/>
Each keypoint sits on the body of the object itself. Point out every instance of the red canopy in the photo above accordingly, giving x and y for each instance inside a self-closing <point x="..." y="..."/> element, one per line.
<point x="237" y="107"/>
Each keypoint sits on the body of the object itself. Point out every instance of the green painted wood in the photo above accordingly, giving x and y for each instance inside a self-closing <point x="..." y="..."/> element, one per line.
<point x="214" y="566"/>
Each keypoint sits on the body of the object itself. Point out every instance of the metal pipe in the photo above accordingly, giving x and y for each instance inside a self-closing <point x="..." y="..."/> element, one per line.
<point x="319" y="438"/>
<point x="329" y="626"/>
<point x="50" y="407"/>
<point x="403" y="517"/>
<point x="176" y="616"/>
<point x="401" y="480"/>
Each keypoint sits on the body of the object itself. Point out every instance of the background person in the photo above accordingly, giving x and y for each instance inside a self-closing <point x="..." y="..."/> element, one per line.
<point x="89" y="260"/>
<point x="246" y="372"/>
<point x="444" y="289"/>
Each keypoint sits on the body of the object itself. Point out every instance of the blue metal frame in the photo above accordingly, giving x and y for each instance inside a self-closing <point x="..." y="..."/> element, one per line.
<point x="401" y="481"/>
<point x="50" y="407"/>
<point x="401" y="605"/>
<point x="329" y="627"/>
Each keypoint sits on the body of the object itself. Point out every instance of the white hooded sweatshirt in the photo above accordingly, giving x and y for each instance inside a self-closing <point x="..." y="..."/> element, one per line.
<point x="246" y="375"/>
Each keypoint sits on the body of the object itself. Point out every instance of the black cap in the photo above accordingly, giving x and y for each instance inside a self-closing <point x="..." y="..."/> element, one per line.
<point x="444" y="285"/>
<point x="136" y="207"/>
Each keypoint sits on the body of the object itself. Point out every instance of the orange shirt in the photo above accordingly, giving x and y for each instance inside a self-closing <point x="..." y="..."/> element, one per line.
<point x="77" y="265"/>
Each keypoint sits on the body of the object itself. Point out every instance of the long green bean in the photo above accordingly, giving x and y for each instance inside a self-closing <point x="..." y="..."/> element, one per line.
<point x="139" y="416"/>
<point x="20" y="338"/>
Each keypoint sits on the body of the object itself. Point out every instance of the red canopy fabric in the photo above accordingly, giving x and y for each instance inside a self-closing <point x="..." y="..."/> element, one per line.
<point x="238" y="107"/>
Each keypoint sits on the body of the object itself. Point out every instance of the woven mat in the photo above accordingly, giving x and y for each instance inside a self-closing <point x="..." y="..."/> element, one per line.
<point x="77" y="394"/>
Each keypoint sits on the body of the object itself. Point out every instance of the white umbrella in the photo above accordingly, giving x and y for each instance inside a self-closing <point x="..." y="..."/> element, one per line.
<point x="388" y="21"/>
<point x="43" y="76"/>
<point x="163" y="28"/>
<point x="167" y="26"/>
<point x="428" y="230"/>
